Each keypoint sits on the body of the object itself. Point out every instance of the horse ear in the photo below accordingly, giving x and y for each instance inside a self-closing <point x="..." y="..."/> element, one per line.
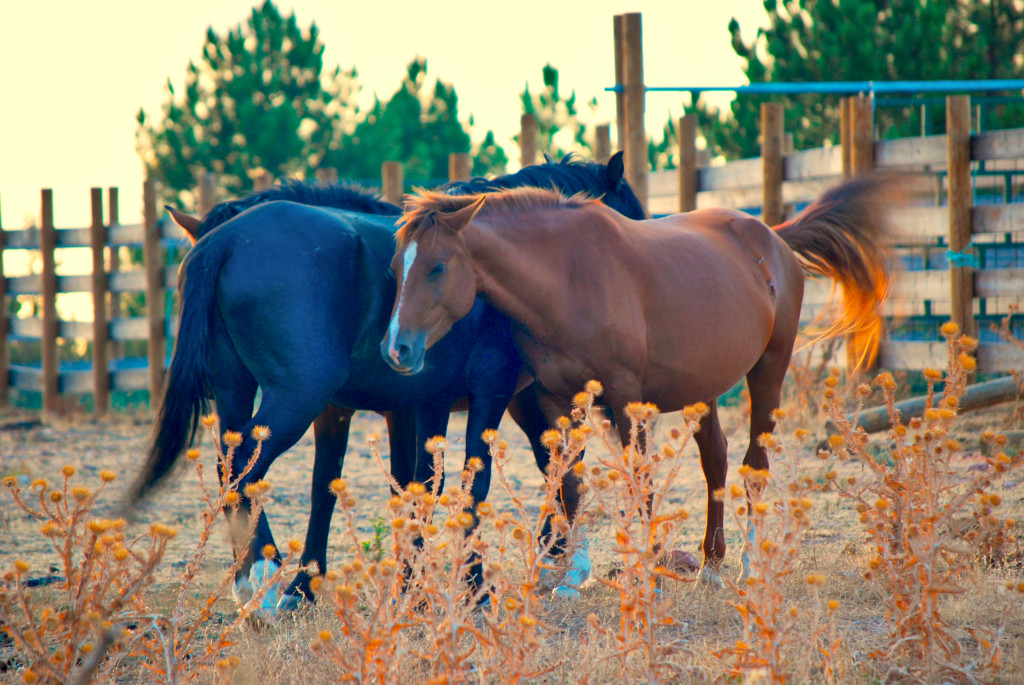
<point x="188" y="223"/>
<point x="615" y="169"/>
<point x="460" y="218"/>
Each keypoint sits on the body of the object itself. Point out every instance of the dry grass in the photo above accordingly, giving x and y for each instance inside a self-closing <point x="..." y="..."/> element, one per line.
<point x="887" y="559"/>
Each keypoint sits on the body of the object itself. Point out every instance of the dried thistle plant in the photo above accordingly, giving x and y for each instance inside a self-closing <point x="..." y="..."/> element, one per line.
<point x="913" y="505"/>
<point x="783" y="639"/>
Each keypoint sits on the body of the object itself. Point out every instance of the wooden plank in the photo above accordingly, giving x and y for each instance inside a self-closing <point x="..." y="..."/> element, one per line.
<point x="810" y="164"/>
<point x="912" y="355"/>
<point x="739" y="198"/>
<point x="907" y="152"/>
<point x="47" y="247"/>
<point x="153" y="256"/>
<point x="1004" y="144"/>
<point x="100" y="337"/>
<point x="126" y="236"/>
<point x="133" y="281"/>
<point x="772" y="137"/>
<point x="114" y="255"/>
<point x="919" y="224"/>
<point x="129" y="328"/>
<point x="743" y="173"/>
<point x="636" y="136"/>
<point x="999" y="283"/>
<point x="1000" y="358"/>
<point x="130" y="380"/>
<point x="687" y="173"/>
<point x="807" y="190"/>
<point x="915" y="286"/>
<point x="961" y="203"/>
<point x="26" y="378"/>
<point x="998" y="218"/>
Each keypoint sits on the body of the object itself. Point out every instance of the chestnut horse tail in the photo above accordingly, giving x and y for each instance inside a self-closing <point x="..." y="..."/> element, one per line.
<point x="185" y="389"/>
<point x="841" y="237"/>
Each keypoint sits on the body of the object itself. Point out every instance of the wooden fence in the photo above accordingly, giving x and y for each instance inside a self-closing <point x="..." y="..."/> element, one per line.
<point x="951" y="231"/>
<point x="962" y="288"/>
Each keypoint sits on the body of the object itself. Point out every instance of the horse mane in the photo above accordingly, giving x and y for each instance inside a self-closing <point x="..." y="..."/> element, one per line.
<point x="347" y="196"/>
<point x="428" y="209"/>
<point x="570" y="175"/>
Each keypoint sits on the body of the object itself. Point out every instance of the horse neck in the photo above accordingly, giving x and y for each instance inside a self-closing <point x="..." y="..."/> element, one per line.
<point x="517" y="261"/>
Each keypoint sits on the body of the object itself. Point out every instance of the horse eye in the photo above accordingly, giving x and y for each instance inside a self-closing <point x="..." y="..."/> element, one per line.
<point x="438" y="269"/>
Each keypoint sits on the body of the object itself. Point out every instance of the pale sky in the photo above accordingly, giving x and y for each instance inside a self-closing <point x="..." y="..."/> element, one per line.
<point x="73" y="74"/>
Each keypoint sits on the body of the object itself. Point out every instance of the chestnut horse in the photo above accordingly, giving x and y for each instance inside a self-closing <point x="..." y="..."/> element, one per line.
<point x="671" y="311"/>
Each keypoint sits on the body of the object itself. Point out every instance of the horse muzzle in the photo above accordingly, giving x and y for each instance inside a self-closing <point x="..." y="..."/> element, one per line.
<point x="405" y="355"/>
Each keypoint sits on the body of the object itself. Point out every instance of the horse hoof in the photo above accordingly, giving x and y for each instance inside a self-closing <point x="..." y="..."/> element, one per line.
<point x="709" y="577"/>
<point x="290" y="603"/>
<point x="257" y="620"/>
<point x="261" y="575"/>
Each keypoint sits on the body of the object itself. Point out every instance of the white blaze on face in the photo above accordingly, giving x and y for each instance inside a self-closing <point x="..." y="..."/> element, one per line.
<point x="407" y="259"/>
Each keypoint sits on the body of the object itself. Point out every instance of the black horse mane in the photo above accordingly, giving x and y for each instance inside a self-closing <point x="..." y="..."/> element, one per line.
<point x="570" y="176"/>
<point x="348" y="196"/>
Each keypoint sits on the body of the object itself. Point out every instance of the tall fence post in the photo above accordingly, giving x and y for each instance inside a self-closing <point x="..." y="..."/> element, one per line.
<point x="862" y="135"/>
<point x="772" y="140"/>
<point x="862" y="161"/>
<point x="100" y="327"/>
<point x="391" y="174"/>
<point x="152" y="257"/>
<point x="688" y="163"/>
<point x="846" y="135"/>
<point x="961" y="205"/>
<point x="48" y="289"/>
<point x="459" y="166"/>
<point x="5" y="353"/>
<point x="602" y="143"/>
<point x="636" y="137"/>
<point x="528" y="134"/>
<point x="620" y="80"/>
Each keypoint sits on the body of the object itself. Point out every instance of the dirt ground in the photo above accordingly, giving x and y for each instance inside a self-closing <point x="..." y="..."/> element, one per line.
<point x="31" y="449"/>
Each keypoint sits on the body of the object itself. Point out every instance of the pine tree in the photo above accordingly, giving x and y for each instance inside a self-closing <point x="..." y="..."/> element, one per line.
<point x="560" y="128"/>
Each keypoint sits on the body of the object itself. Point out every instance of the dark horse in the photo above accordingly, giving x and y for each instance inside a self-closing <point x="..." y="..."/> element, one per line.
<point x="671" y="311"/>
<point x="286" y="292"/>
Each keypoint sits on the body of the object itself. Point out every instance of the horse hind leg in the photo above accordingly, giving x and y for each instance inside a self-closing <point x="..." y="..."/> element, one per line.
<point x="714" y="462"/>
<point x="765" y="384"/>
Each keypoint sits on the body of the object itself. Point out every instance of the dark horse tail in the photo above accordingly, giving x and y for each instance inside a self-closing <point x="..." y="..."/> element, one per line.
<point x="185" y="388"/>
<point x="840" y="237"/>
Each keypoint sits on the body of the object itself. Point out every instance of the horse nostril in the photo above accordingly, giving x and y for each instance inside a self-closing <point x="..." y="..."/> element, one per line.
<point x="402" y="352"/>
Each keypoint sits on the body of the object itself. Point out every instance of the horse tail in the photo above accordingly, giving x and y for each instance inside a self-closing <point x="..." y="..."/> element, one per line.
<point x="840" y="236"/>
<point x="185" y="388"/>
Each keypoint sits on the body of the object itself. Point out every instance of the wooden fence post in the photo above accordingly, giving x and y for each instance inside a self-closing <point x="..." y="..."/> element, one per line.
<point x="5" y="353"/>
<point x="114" y="255"/>
<point x="636" y="137"/>
<point x="862" y="161"/>
<point x="327" y="175"/>
<point x="391" y="174"/>
<point x="263" y="179"/>
<point x="961" y="205"/>
<point x="100" y="327"/>
<point x="862" y="135"/>
<point x="48" y="289"/>
<point x="459" y="166"/>
<point x="528" y="134"/>
<point x="620" y="80"/>
<point x="688" y="163"/>
<point x="772" y="140"/>
<point x="207" y="192"/>
<point x="845" y="135"/>
<point x="602" y="143"/>
<point x="152" y="257"/>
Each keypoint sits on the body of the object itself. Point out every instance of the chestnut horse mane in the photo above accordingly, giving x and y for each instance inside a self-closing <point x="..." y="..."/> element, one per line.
<point x="428" y="209"/>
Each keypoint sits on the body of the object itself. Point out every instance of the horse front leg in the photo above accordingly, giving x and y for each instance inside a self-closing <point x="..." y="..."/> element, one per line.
<point x="331" y="430"/>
